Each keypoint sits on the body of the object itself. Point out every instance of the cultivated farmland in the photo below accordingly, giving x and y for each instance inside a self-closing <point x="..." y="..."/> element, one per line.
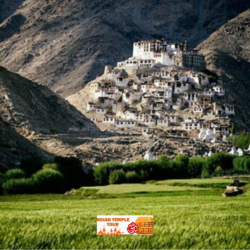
<point x="199" y="218"/>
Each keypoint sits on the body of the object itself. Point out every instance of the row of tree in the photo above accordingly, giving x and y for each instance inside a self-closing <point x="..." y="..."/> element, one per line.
<point x="163" y="168"/>
<point x="38" y="176"/>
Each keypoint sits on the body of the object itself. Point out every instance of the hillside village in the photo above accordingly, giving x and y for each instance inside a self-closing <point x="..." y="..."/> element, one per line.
<point x="153" y="91"/>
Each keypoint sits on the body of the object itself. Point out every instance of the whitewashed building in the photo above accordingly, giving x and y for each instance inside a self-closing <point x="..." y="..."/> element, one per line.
<point x="91" y="106"/>
<point x="121" y="82"/>
<point x="219" y="90"/>
<point x="125" y="123"/>
<point x="149" y="156"/>
<point x="180" y="87"/>
<point x="229" y="109"/>
<point x="109" y="119"/>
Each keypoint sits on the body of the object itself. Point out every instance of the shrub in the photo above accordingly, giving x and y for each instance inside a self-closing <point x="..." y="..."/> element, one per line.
<point x="14" y="174"/>
<point x="18" y="186"/>
<point x="218" y="171"/>
<point x="48" y="181"/>
<point x="53" y="166"/>
<point x="117" y="177"/>
<point x="205" y="173"/>
<point x="132" y="177"/>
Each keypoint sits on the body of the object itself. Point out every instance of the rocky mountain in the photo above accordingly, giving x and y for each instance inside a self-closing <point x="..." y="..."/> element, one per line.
<point x="31" y="108"/>
<point x="227" y="52"/>
<point x="33" y="121"/>
<point x="65" y="44"/>
<point x="13" y="147"/>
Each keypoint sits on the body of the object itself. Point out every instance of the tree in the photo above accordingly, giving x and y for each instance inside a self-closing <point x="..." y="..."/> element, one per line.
<point x="71" y="168"/>
<point x="48" y="181"/>
<point x="31" y="165"/>
<point x="117" y="177"/>
<point x="233" y="129"/>
<point x="195" y="166"/>
<point x="102" y="172"/>
<point x="19" y="186"/>
<point x="14" y="174"/>
<point x="224" y="160"/>
<point x="53" y="166"/>
<point x="182" y="163"/>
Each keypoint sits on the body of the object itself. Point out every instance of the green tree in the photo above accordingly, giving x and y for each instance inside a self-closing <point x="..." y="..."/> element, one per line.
<point x="224" y="160"/>
<point x="14" y="174"/>
<point x="31" y="165"/>
<point x="117" y="177"/>
<point x="182" y="163"/>
<point x="71" y="168"/>
<point x="53" y="166"/>
<point x="48" y="181"/>
<point x="102" y="172"/>
<point x="132" y="177"/>
<point x="195" y="166"/>
<point x="233" y="129"/>
<point x="19" y="186"/>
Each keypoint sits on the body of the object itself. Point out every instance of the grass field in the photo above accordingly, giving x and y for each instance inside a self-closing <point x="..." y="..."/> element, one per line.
<point x="199" y="218"/>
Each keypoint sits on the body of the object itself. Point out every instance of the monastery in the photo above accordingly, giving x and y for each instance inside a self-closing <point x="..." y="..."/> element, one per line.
<point x="160" y="88"/>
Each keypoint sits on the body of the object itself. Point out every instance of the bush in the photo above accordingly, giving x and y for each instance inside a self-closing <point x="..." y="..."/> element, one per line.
<point x="18" y="186"/>
<point x="218" y="171"/>
<point x="205" y="174"/>
<point x="117" y="177"/>
<point x="132" y="177"/>
<point x="53" y="166"/>
<point x="14" y="174"/>
<point x="48" y="181"/>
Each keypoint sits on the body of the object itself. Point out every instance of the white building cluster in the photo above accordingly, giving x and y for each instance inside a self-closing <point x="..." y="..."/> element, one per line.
<point x="149" y="53"/>
<point x="153" y="98"/>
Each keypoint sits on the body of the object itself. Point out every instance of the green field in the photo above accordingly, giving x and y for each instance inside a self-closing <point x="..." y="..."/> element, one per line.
<point x="191" y="217"/>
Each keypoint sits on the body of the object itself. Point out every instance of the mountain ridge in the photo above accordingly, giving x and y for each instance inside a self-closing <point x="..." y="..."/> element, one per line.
<point x="227" y="52"/>
<point x="66" y="44"/>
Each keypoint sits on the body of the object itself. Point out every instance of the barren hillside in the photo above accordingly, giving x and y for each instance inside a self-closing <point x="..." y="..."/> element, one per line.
<point x="65" y="44"/>
<point x="32" y="108"/>
<point x="14" y="147"/>
<point x="227" y="52"/>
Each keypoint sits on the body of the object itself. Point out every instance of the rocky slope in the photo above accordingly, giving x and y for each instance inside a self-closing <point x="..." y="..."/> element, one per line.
<point x="13" y="147"/>
<point x="33" y="121"/>
<point x="65" y="44"/>
<point x="31" y="108"/>
<point x="227" y="52"/>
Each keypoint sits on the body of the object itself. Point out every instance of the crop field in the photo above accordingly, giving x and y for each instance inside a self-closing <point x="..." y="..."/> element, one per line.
<point x="197" y="219"/>
<point x="168" y="185"/>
